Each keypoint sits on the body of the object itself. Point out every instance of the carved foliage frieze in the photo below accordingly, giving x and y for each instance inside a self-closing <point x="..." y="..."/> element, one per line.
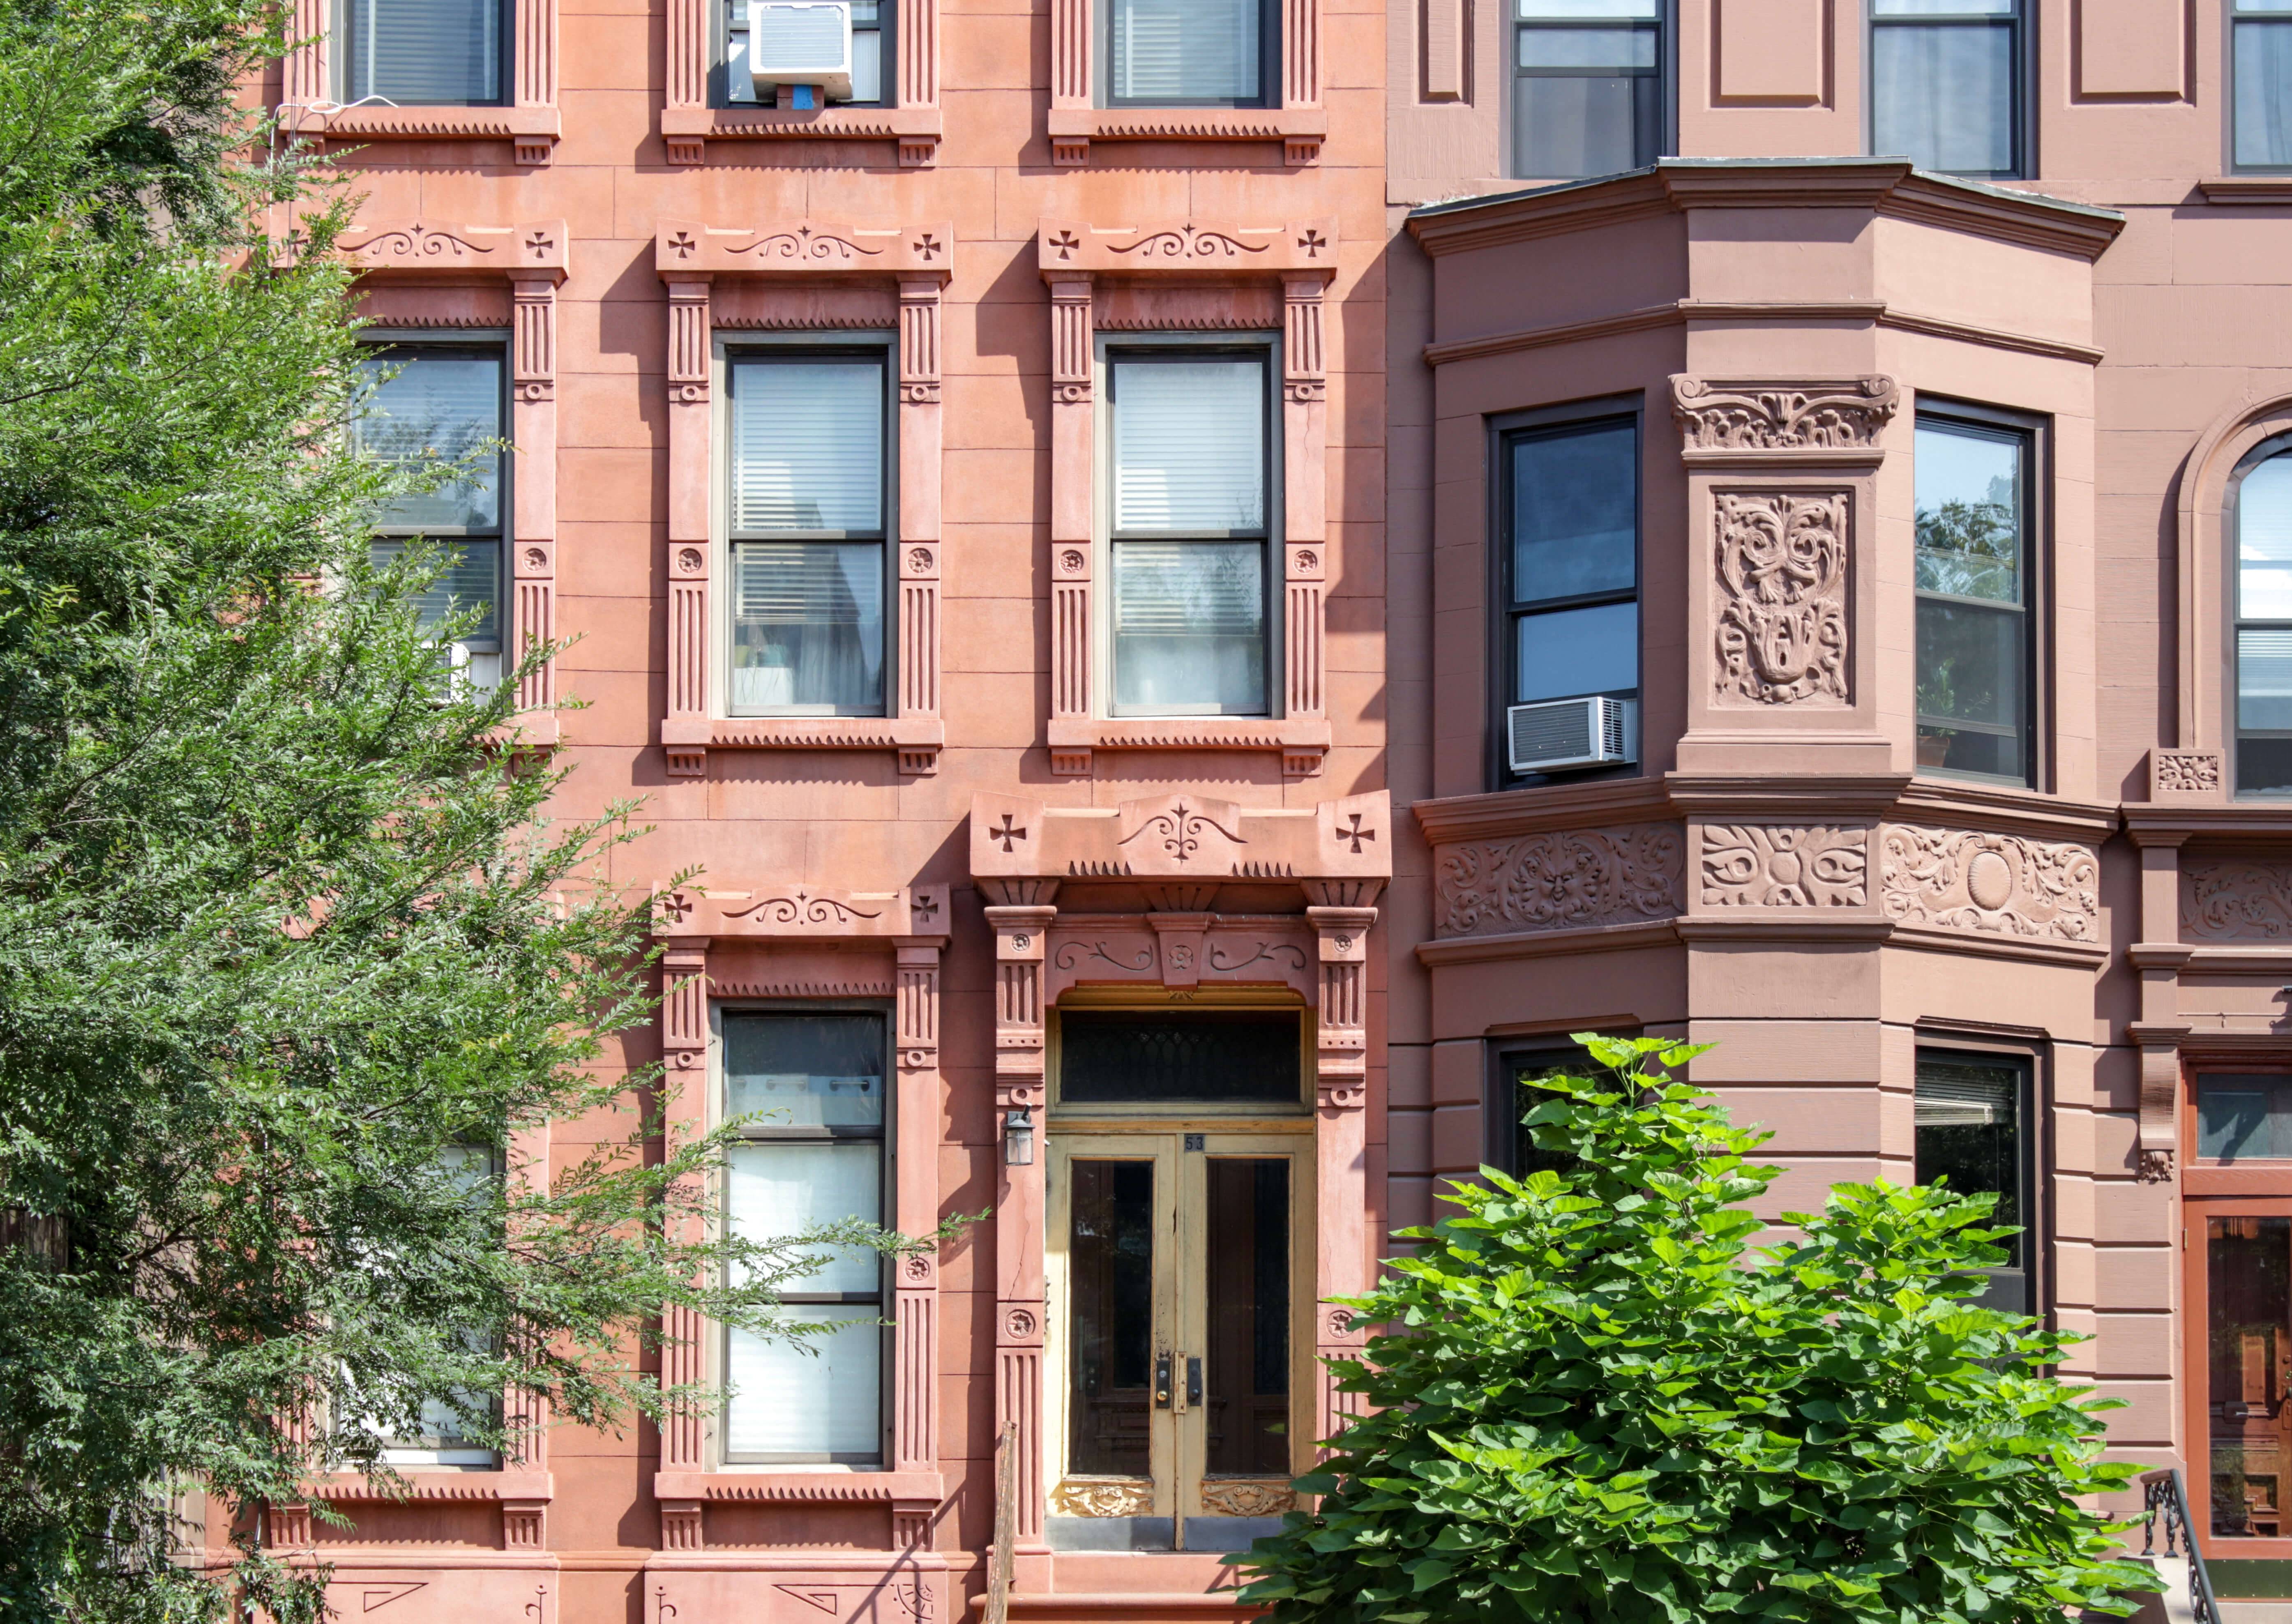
<point x="1561" y="881"/>
<point x="1781" y="414"/>
<point x="2175" y="774"/>
<point x="1781" y="637"/>
<point x="1774" y="866"/>
<point x="2001" y="884"/>
<point x="1103" y="1497"/>
<point x="2236" y="899"/>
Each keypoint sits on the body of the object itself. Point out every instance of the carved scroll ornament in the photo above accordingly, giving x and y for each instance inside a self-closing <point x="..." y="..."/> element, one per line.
<point x="1248" y="1496"/>
<point x="1561" y="882"/>
<point x="2183" y="772"/>
<point x="2236" y="899"/>
<point x="1781" y="414"/>
<point x="1119" y="1498"/>
<point x="1999" y="884"/>
<point x="1769" y="866"/>
<point x="1782" y="633"/>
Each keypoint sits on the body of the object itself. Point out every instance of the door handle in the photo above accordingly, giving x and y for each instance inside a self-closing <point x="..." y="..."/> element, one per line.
<point x="1162" y="1379"/>
<point x="1194" y="1382"/>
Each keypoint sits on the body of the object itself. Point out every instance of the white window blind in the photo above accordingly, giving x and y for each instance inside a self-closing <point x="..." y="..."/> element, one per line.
<point x="824" y="1401"/>
<point x="436" y="405"/>
<point x="1173" y="52"/>
<point x="808" y="446"/>
<point x="469" y="583"/>
<point x="423" y="52"/>
<point x="1965" y="1096"/>
<point x="1189" y="629"/>
<point x="808" y="627"/>
<point x="1188" y="446"/>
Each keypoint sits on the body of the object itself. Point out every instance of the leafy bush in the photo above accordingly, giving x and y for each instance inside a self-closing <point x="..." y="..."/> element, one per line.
<point x="1586" y="1407"/>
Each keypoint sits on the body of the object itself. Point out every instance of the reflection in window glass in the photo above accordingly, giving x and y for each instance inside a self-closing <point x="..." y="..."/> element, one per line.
<point x="1972" y="578"/>
<point x="2263" y="628"/>
<point x="1246" y="1362"/>
<point x="2244" y="1119"/>
<point x="1944" y="77"/>
<point x="2261" y="39"/>
<point x="1111" y="1256"/>
<point x="2249" y="1310"/>
<point x="429" y="405"/>
<point x="1125" y="1056"/>
<point x="1969" y="1118"/>
<point x="1587" y="88"/>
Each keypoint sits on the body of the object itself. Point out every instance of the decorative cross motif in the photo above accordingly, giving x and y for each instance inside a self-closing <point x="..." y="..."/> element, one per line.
<point x="1006" y="833"/>
<point x="541" y="243"/>
<point x="1065" y="243"/>
<point x="681" y="245"/>
<point x="924" y="908"/>
<point x="1356" y="835"/>
<point x="1313" y="242"/>
<point x="675" y="907"/>
<point x="927" y="246"/>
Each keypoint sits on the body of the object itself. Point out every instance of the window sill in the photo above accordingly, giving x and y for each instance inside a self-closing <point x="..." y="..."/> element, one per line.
<point x="533" y="130"/>
<point x="918" y="739"/>
<point x="1300" y="130"/>
<point x="1302" y="743"/>
<point x="689" y="130"/>
<point x="437" y="1484"/>
<point x="2246" y="188"/>
<point x="835" y="1483"/>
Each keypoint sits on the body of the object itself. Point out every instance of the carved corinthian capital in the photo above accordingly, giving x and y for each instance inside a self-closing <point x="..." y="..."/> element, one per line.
<point x="1811" y="418"/>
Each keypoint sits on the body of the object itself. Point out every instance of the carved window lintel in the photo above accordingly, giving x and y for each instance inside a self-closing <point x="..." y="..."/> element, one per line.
<point x="310" y="109"/>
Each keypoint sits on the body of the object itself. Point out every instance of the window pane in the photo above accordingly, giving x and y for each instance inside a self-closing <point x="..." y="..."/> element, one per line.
<point x="1111" y="1058"/>
<point x="1190" y="626"/>
<point x="808" y="446"/>
<point x="2244" y="1119"/>
<point x="866" y="62"/>
<point x="822" y="1399"/>
<point x="1942" y="8"/>
<point x="1969" y="512"/>
<point x="469" y="584"/>
<point x="1534" y="8"/>
<point x="1579" y="651"/>
<point x="2264" y="680"/>
<point x="1112" y="1255"/>
<point x="1598" y="124"/>
<point x="2263" y="541"/>
<point x="2248" y="1303"/>
<point x="422" y="53"/>
<point x="809" y="1071"/>
<point x="1575" y="513"/>
<point x="1178" y="50"/>
<point x="1190" y="446"/>
<point x="1970" y="666"/>
<point x="1942" y="96"/>
<point x="1587" y="47"/>
<point x="1968" y="1120"/>
<point x="440" y="408"/>
<point x="1247" y="1362"/>
<point x="2263" y="94"/>
<point x="808" y="627"/>
<point x="779" y="1187"/>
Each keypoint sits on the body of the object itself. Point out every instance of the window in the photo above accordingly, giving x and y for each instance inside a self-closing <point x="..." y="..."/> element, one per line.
<point x="1974" y="579"/>
<point x="1118" y="1057"/>
<point x="815" y="1155"/>
<point x="440" y="1439"/>
<point x="1569" y="567"/>
<point x="735" y="81"/>
<point x="2244" y="1119"/>
<point x="1587" y="88"/>
<point x="1187" y="53"/>
<point x="1945" y="85"/>
<point x="433" y="404"/>
<point x="2261" y="494"/>
<point x="1190" y="529"/>
<point x="2261" y="40"/>
<point x="1972" y="1115"/>
<point x="1511" y="1146"/>
<point x="806" y="508"/>
<point x="423" y="52"/>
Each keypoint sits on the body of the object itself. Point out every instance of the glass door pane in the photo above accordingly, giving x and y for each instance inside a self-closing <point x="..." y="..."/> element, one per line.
<point x="1113" y="1284"/>
<point x="2248" y="1302"/>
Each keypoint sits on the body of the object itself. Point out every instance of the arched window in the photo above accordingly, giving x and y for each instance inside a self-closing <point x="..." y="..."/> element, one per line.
<point x="2260" y="598"/>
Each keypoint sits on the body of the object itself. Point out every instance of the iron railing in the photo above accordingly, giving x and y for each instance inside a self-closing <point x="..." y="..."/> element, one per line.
<point x="2164" y="1495"/>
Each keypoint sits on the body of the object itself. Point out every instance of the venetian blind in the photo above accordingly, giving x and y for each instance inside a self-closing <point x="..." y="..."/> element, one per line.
<point x="808" y="446"/>
<point x="1189" y="447"/>
<point x="423" y="52"/>
<point x="437" y="406"/>
<point x="1182" y="51"/>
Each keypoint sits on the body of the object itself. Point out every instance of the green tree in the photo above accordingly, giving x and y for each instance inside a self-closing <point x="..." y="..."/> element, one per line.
<point x="1586" y="1407"/>
<point x="289" y="952"/>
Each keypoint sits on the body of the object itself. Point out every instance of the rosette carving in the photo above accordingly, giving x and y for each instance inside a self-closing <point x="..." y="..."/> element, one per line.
<point x="1561" y="881"/>
<point x="1782" y="633"/>
<point x="1767" y="865"/>
<point x="1999" y="884"/>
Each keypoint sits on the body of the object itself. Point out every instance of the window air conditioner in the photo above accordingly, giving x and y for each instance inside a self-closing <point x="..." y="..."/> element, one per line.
<point x="1564" y="733"/>
<point x="800" y="43"/>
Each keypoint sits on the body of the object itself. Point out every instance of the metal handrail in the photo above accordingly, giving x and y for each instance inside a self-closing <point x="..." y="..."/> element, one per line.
<point x="2164" y="1493"/>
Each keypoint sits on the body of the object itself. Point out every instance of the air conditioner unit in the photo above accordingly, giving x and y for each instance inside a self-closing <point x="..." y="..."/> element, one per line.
<point x="1564" y="733"/>
<point x="800" y="43"/>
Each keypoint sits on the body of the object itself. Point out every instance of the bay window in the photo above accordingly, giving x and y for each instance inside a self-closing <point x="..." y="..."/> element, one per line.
<point x="1975" y="574"/>
<point x="423" y="52"/>
<point x="1587" y="88"/>
<point x="1946" y="85"/>
<point x="1191" y="532"/>
<point x="814" y="1154"/>
<point x="806" y="511"/>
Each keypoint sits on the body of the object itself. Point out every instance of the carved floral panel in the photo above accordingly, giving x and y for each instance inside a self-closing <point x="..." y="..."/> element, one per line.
<point x="2236" y="899"/>
<point x="1780" y="634"/>
<point x="1083" y="1497"/>
<point x="1781" y="414"/>
<point x="2001" y="884"/>
<point x="1771" y="865"/>
<point x="1559" y="881"/>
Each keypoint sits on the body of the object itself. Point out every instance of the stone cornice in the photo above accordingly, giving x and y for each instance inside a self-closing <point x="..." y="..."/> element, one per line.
<point x="785" y="911"/>
<point x="1889" y="187"/>
<point x="807" y="248"/>
<point x="536" y="249"/>
<point x="1192" y="247"/>
<point x="2159" y="823"/>
<point x="1185" y="836"/>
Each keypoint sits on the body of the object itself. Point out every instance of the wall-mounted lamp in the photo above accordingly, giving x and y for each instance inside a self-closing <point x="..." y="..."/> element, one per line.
<point x="1019" y="1137"/>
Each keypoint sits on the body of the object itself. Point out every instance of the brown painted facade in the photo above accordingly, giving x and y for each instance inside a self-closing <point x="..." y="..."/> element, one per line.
<point x="1006" y="850"/>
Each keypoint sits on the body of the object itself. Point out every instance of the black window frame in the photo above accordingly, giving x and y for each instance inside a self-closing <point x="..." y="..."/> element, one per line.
<point x="2233" y="731"/>
<point x="1506" y="611"/>
<point x="339" y="65"/>
<point x="887" y="1190"/>
<point x="2036" y="431"/>
<point x="720" y="66"/>
<point x="1179" y="347"/>
<point x="2021" y="140"/>
<point x="2034" y="1152"/>
<point x="1665" y="74"/>
<point x="882" y="349"/>
<point x="1502" y="1145"/>
<point x="1268" y="65"/>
